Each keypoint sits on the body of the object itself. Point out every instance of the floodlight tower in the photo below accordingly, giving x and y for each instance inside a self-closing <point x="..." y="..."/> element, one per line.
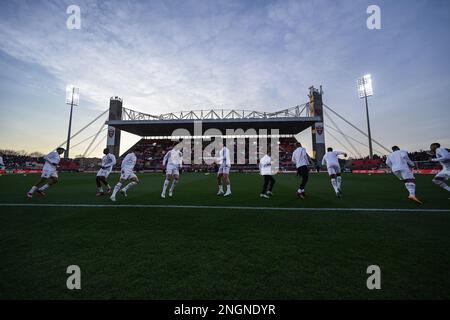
<point x="317" y="129"/>
<point x="72" y="99"/>
<point x="115" y="113"/>
<point x="365" y="90"/>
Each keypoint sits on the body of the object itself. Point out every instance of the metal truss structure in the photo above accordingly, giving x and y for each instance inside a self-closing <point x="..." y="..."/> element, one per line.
<point x="219" y="114"/>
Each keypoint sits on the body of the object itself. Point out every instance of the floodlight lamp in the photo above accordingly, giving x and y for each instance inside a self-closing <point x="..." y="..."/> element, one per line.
<point x="365" y="88"/>
<point x="72" y="95"/>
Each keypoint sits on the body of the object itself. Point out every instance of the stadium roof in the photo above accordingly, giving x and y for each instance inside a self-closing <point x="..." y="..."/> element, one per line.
<point x="288" y="121"/>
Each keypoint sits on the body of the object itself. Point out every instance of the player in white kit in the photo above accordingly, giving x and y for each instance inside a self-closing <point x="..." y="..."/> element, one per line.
<point x="266" y="170"/>
<point x="330" y="159"/>
<point x="172" y="163"/>
<point x="401" y="165"/>
<point x="49" y="174"/>
<point x="223" y="175"/>
<point x="301" y="160"/>
<point x="442" y="156"/>
<point x="126" y="173"/>
<point x="2" y="164"/>
<point x="108" y="162"/>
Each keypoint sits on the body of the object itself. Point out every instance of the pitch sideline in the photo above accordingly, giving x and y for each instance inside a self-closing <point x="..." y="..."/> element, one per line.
<point x="301" y="209"/>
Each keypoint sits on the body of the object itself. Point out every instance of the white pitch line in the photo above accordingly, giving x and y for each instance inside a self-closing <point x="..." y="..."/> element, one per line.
<point x="76" y="205"/>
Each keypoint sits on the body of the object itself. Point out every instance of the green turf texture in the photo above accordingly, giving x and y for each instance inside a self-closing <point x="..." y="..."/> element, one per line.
<point x="174" y="253"/>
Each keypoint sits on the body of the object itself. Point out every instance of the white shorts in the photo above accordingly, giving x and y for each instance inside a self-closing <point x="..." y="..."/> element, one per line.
<point x="172" y="170"/>
<point x="443" y="174"/>
<point x="103" y="173"/>
<point x="404" y="174"/>
<point x="49" y="173"/>
<point x="127" y="175"/>
<point x="224" y="170"/>
<point x="333" y="169"/>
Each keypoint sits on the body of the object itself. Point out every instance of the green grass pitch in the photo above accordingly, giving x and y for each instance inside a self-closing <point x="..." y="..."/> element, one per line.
<point x="206" y="253"/>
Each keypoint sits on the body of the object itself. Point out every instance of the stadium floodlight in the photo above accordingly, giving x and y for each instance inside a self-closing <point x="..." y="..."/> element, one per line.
<point x="72" y="95"/>
<point x="365" y="90"/>
<point x="72" y="99"/>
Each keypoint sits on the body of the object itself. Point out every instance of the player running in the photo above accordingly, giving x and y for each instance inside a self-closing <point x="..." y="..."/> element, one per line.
<point x="126" y="173"/>
<point x="401" y="165"/>
<point x="265" y="169"/>
<point x="172" y="162"/>
<point x="108" y="162"/>
<point x="223" y="175"/>
<point x="302" y="161"/>
<point x="49" y="173"/>
<point x="442" y="156"/>
<point x="330" y="159"/>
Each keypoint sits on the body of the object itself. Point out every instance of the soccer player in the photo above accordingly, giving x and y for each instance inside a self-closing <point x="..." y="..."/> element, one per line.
<point x="223" y="175"/>
<point x="265" y="169"/>
<point x="108" y="162"/>
<point x="49" y="173"/>
<point x="172" y="163"/>
<point x="442" y="156"/>
<point x="330" y="159"/>
<point x="302" y="160"/>
<point x="2" y="164"/>
<point x="126" y="173"/>
<point x="400" y="165"/>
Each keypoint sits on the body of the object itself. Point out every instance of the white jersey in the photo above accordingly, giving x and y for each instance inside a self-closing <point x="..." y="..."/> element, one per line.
<point x="108" y="161"/>
<point x="399" y="161"/>
<point x="300" y="157"/>
<point x="51" y="161"/>
<point x="129" y="162"/>
<point x="2" y="164"/>
<point x="224" y="157"/>
<point x="265" y="165"/>
<point x="443" y="156"/>
<point x="173" y="158"/>
<point x="330" y="158"/>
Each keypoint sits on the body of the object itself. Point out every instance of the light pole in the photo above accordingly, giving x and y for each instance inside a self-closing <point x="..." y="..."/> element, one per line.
<point x="365" y="90"/>
<point x="72" y="99"/>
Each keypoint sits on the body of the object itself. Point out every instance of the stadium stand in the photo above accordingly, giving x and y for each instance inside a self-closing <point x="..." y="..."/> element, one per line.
<point x="155" y="149"/>
<point x="23" y="162"/>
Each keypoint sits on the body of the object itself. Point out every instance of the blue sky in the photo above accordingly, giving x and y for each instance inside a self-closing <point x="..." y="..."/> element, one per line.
<point x="162" y="56"/>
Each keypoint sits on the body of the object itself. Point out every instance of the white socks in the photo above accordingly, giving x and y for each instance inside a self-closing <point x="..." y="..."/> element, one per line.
<point x="126" y="188"/>
<point x="228" y="188"/>
<point x="32" y="190"/>
<point x="411" y="187"/>
<point x="220" y="188"/>
<point x="166" y="184"/>
<point x="174" y="182"/>
<point x="334" y="183"/>
<point x="441" y="184"/>
<point x="116" y="189"/>
<point x="339" y="181"/>
<point x="129" y="186"/>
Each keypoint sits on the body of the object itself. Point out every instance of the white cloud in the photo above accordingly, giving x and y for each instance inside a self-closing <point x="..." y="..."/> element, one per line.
<point x="160" y="61"/>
